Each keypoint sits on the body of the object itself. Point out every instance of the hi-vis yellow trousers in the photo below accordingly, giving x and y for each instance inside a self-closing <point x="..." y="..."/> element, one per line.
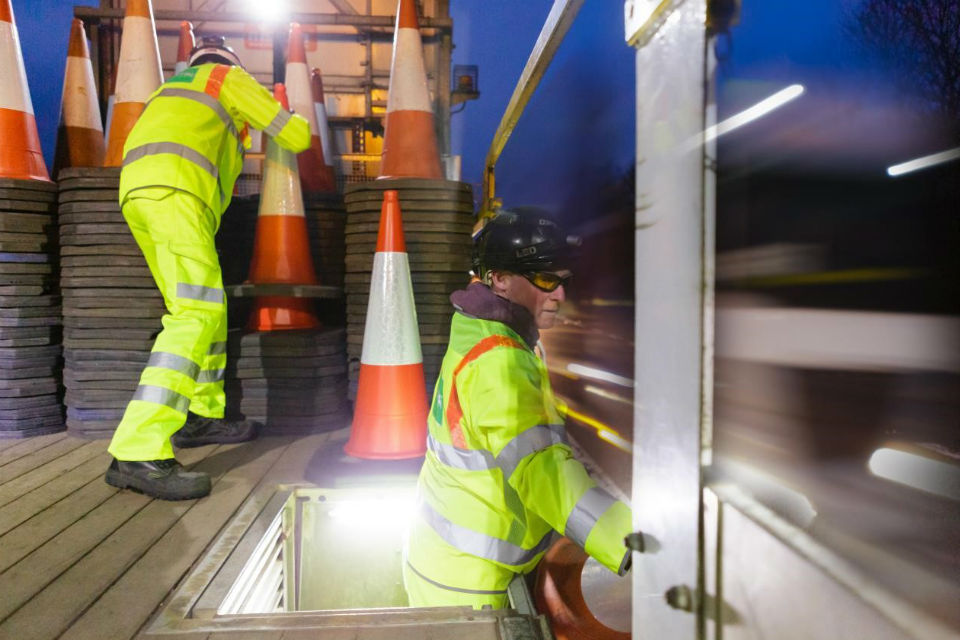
<point x="175" y="231"/>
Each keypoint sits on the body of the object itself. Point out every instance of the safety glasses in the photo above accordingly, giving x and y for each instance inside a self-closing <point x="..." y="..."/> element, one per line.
<point x="546" y="281"/>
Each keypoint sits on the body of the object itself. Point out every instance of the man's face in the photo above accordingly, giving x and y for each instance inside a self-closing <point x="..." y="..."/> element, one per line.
<point x="543" y="305"/>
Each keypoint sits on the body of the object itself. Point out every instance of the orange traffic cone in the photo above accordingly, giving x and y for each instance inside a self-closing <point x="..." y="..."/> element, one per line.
<point x="21" y="157"/>
<point x="80" y="139"/>
<point x="138" y="75"/>
<point x="409" y="140"/>
<point x="281" y="250"/>
<point x="390" y="418"/>
<point x="185" y="46"/>
<point x="320" y="107"/>
<point x="316" y="175"/>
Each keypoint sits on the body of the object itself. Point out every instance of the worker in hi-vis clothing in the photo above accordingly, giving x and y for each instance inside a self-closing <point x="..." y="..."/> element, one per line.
<point x="499" y="477"/>
<point x="180" y="163"/>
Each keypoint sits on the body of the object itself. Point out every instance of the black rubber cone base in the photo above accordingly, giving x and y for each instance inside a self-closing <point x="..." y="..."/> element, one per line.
<point x="331" y="467"/>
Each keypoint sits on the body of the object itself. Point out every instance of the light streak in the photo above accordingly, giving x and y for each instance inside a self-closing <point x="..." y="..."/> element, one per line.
<point x="916" y="471"/>
<point x="599" y="374"/>
<point x="923" y="162"/>
<point x="758" y="110"/>
<point x="604" y="432"/>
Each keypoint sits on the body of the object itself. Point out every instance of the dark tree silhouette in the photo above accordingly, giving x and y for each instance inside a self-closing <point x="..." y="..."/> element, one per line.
<point x="920" y="41"/>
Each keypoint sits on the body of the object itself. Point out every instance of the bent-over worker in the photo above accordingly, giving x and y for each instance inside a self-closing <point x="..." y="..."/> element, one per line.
<point x="180" y="163"/>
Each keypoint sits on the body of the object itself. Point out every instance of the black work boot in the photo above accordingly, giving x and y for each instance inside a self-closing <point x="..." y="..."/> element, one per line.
<point x="199" y="431"/>
<point x="164" y="479"/>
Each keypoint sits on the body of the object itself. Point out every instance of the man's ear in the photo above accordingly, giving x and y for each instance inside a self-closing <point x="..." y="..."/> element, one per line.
<point x="498" y="281"/>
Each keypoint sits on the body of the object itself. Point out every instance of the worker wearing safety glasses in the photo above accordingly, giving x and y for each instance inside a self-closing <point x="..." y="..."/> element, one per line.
<point x="499" y="477"/>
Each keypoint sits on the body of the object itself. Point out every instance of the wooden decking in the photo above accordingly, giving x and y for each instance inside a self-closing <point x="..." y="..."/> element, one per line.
<point x="79" y="559"/>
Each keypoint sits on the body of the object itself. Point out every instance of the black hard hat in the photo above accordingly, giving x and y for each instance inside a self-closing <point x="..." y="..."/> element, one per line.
<point x="522" y="240"/>
<point x="214" y="49"/>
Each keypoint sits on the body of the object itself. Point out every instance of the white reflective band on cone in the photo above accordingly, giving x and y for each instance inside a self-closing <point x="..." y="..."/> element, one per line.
<point x="391" y="336"/>
<point x="408" y="80"/>
<point x="299" y="93"/>
<point x="138" y="75"/>
<point x="80" y="108"/>
<point x="281" y="183"/>
<point x="14" y="94"/>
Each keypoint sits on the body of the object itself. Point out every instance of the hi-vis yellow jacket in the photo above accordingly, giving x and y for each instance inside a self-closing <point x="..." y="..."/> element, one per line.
<point x="498" y="476"/>
<point x="192" y="134"/>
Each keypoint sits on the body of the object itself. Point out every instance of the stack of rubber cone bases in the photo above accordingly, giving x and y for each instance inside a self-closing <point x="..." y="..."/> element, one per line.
<point x="390" y="415"/>
<point x="315" y="172"/>
<point x="111" y="305"/>
<point x="29" y="306"/>
<point x="80" y="138"/>
<point x="293" y="382"/>
<point x="184" y="47"/>
<point x="281" y="251"/>
<point x="409" y="140"/>
<point x="138" y="75"/>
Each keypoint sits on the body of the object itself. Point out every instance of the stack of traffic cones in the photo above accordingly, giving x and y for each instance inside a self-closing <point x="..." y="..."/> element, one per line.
<point x="390" y="416"/>
<point x="315" y="171"/>
<point x="409" y="140"/>
<point x="80" y="139"/>
<point x="29" y="310"/>
<point x="281" y="253"/>
<point x="138" y="75"/>
<point x="184" y="47"/>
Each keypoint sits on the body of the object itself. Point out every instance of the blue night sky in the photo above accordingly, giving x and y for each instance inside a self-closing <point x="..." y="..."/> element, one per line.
<point x="578" y="131"/>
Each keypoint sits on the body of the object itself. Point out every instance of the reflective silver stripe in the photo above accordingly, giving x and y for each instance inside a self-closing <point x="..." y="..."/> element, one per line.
<point x="217" y="348"/>
<point x="532" y="440"/>
<point x="199" y="292"/>
<point x="278" y="123"/>
<point x="482" y="592"/>
<point x="466" y="459"/>
<point x="203" y="98"/>
<point x="173" y="148"/>
<point x="593" y="504"/>
<point x="166" y="397"/>
<point x="210" y="375"/>
<point x="186" y="366"/>
<point x="479" y="544"/>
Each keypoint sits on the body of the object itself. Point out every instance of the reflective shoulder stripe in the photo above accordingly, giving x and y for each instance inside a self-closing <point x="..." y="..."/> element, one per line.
<point x="278" y="123"/>
<point x="172" y="361"/>
<point x="215" y="80"/>
<point x="482" y="592"/>
<point x="204" y="99"/>
<point x="159" y="395"/>
<point x="479" y="544"/>
<point x="593" y="504"/>
<point x="454" y="411"/>
<point x="172" y="148"/>
<point x="217" y="348"/>
<point x="211" y="375"/>
<point x="200" y="292"/>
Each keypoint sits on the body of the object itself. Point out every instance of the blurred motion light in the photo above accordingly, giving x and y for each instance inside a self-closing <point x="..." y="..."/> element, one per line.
<point x="758" y="110"/>
<point x="924" y="162"/>
<point x="917" y="471"/>
<point x="269" y="10"/>
<point x="599" y="374"/>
